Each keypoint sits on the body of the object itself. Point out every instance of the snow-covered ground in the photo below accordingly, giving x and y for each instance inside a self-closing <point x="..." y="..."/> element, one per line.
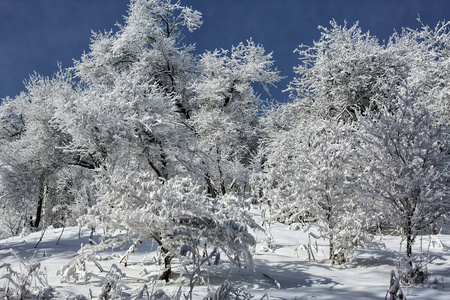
<point x="283" y="274"/>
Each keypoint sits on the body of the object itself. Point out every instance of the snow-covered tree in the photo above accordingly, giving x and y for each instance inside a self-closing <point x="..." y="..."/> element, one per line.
<point x="133" y="117"/>
<point x="306" y="178"/>
<point x="304" y="172"/>
<point x="135" y="90"/>
<point x="225" y="112"/>
<point x="402" y="150"/>
<point x="35" y="172"/>
<point x="346" y="70"/>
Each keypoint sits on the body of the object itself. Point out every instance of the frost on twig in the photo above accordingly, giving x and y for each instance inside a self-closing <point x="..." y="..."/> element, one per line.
<point x="75" y="269"/>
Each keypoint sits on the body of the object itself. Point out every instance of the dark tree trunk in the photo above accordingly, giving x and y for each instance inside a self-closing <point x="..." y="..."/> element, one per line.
<point x="211" y="190"/>
<point x="409" y="243"/>
<point x="167" y="274"/>
<point x="409" y="236"/>
<point x="40" y="205"/>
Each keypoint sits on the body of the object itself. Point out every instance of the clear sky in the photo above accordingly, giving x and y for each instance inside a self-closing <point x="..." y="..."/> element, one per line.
<point x="36" y="34"/>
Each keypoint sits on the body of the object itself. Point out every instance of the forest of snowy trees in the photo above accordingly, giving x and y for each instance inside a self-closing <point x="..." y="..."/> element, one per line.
<point x="147" y="140"/>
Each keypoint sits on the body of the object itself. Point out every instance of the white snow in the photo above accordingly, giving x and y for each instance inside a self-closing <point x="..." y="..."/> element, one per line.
<point x="284" y="274"/>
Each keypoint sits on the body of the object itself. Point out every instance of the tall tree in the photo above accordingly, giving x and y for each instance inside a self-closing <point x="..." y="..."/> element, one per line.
<point x="34" y="168"/>
<point x="134" y="118"/>
<point x="225" y="112"/>
<point x="405" y="165"/>
<point x="136" y="89"/>
<point x="306" y="178"/>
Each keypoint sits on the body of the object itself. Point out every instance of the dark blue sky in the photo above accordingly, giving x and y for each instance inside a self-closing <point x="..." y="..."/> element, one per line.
<point x="36" y="34"/>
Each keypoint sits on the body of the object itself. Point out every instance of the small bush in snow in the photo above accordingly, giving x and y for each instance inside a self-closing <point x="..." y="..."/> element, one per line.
<point x="413" y="270"/>
<point x="226" y="291"/>
<point x="111" y="286"/>
<point x="171" y="213"/>
<point x="29" y="282"/>
<point x="394" y="292"/>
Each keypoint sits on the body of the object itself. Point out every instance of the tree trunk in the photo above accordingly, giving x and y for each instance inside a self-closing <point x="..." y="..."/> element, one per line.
<point x="222" y="183"/>
<point x="409" y="237"/>
<point x="167" y="274"/>
<point x="331" y="249"/>
<point x="409" y="243"/>
<point x="211" y="190"/>
<point x="40" y="205"/>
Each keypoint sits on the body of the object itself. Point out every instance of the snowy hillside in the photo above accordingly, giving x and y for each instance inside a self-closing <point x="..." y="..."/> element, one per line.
<point x="283" y="274"/>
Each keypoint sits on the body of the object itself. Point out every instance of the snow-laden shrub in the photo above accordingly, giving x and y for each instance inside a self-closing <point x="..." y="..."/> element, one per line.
<point x="140" y="207"/>
<point x="111" y="286"/>
<point x="413" y="270"/>
<point x="27" y="283"/>
<point x="76" y="269"/>
<point x="227" y="291"/>
<point x="394" y="292"/>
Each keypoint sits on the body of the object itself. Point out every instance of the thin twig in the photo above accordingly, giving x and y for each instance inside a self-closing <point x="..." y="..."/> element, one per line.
<point x="42" y="235"/>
